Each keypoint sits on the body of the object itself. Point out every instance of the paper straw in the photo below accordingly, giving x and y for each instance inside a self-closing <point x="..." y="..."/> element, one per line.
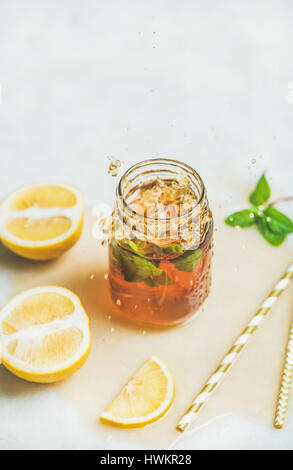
<point x="286" y="382"/>
<point x="214" y="381"/>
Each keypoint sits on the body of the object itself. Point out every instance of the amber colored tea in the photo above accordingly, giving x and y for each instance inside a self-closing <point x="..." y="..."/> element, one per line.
<point x="173" y="291"/>
<point x="160" y="256"/>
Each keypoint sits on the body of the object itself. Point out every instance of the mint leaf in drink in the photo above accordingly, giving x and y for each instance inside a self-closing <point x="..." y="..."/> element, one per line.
<point x="137" y="269"/>
<point x="188" y="260"/>
<point x="170" y="249"/>
<point x="133" y="246"/>
<point x="140" y="247"/>
<point x="244" y="218"/>
<point x="147" y="249"/>
<point x="159" y="280"/>
<point x="261" y="193"/>
<point x="278" y="222"/>
<point x="273" y="238"/>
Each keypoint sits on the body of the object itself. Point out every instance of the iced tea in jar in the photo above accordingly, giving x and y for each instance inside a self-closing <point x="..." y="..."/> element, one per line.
<point x="161" y="247"/>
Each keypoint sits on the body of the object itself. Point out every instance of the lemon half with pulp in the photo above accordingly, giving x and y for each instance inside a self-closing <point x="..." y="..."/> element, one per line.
<point x="44" y="334"/>
<point x="42" y="221"/>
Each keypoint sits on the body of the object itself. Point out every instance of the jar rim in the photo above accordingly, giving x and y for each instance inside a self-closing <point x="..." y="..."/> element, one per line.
<point x="160" y="161"/>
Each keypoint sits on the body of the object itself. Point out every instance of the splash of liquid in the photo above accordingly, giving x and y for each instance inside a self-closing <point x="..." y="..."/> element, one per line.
<point x="114" y="166"/>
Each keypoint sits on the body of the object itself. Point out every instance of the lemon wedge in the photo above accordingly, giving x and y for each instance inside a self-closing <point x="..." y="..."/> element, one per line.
<point x="44" y="334"/>
<point x="42" y="221"/>
<point x="145" y="398"/>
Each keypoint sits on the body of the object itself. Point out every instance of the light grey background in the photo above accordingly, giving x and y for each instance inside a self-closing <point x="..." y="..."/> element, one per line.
<point x="204" y="81"/>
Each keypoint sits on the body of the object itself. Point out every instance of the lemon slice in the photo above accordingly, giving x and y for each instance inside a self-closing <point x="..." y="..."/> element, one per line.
<point x="42" y="221"/>
<point x="44" y="334"/>
<point x="145" y="398"/>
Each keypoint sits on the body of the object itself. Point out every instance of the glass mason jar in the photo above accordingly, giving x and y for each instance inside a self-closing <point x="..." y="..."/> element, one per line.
<point x="161" y="246"/>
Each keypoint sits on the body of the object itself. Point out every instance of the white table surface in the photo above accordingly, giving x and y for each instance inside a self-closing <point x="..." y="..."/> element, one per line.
<point x="201" y="81"/>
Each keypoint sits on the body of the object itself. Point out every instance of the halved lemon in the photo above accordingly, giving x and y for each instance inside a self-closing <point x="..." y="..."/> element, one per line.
<point x="42" y="221"/>
<point x="44" y="334"/>
<point x="145" y="398"/>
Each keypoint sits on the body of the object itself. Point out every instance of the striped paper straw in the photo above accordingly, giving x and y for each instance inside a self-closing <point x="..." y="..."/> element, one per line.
<point x="286" y="382"/>
<point x="214" y="381"/>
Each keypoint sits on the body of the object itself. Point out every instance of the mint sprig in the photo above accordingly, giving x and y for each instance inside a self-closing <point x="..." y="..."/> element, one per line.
<point x="242" y="219"/>
<point x="261" y="193"/>
<point x="188" y="260"/>
<point x="171" y="249"/>
<point x="272" y="224"/>
<point x="273" y="238"/>
<point x="277" y="221"/>
<point x="137" y="269"/>
<point x="129" y="256"/>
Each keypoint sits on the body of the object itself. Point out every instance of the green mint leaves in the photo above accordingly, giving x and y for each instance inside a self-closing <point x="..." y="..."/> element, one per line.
<point x="273" y="238"/>
<point x="242" y="219"/>
<point x="137" y="269"/>
<point x="272" y="224"/>
<point x="278" y="222"/>
<point x="170" y="249"/>
<point x="129" y="257"/>
<point x="188" y="260"/>
<point x="262" y="192"/>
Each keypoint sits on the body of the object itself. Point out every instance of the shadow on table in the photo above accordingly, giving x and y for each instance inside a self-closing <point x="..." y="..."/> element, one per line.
<point x="14" y="263"/>
<point x="12" y="386"/>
